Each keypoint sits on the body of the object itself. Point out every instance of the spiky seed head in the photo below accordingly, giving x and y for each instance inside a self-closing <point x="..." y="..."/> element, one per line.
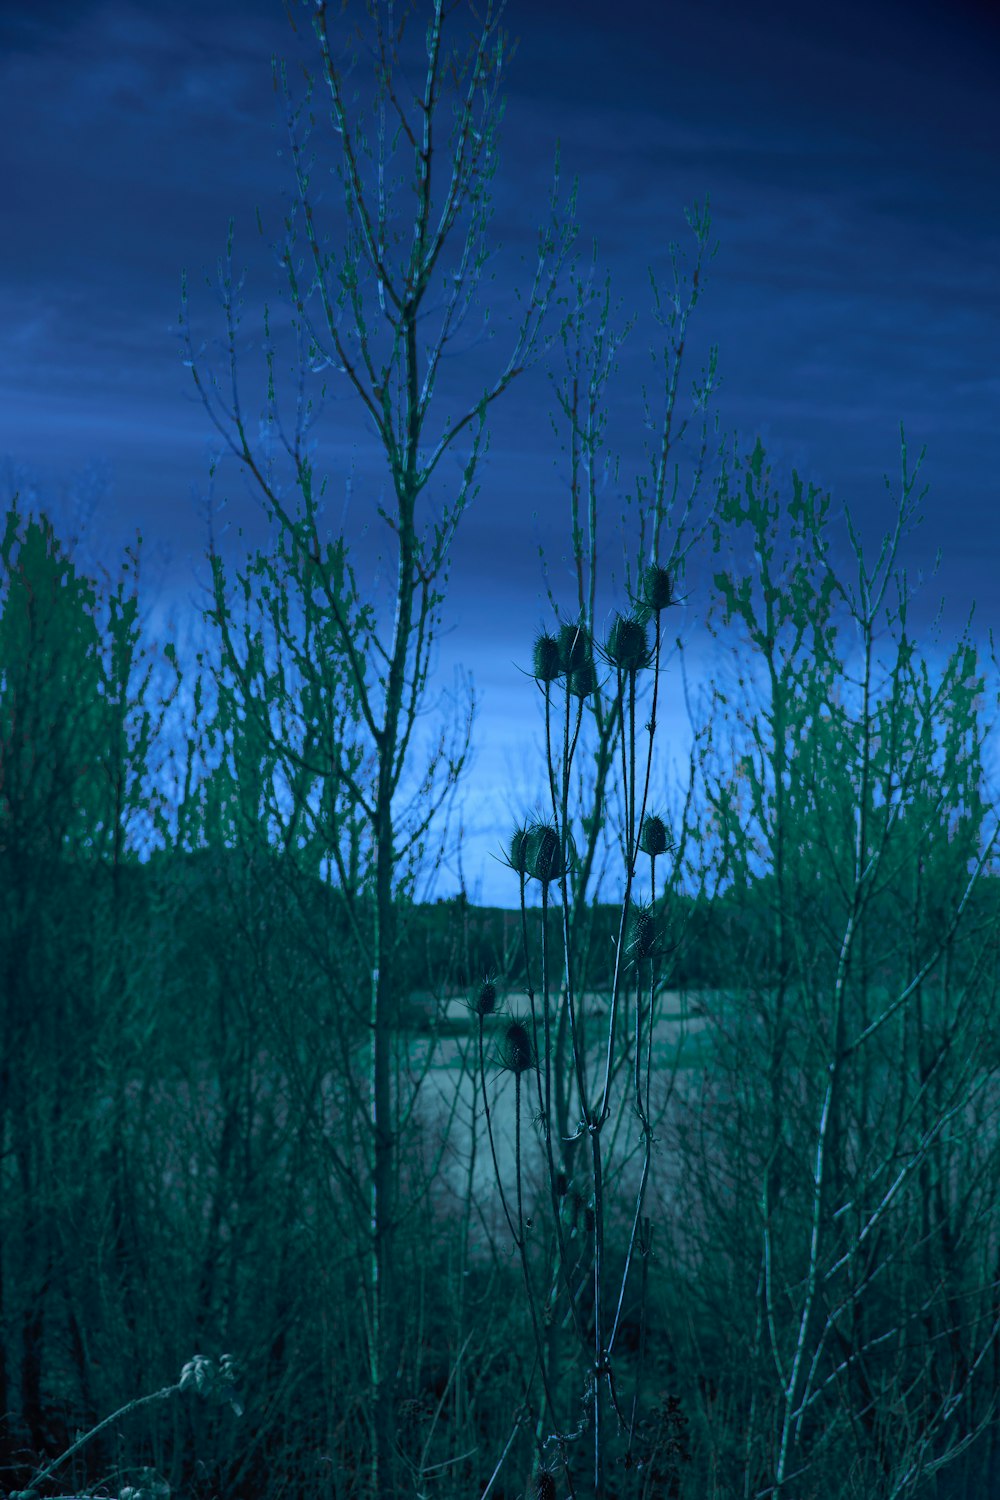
<point x="657" y="588"/>
<point x="545" y="1485"/>
<point x="544" y="858"/>
<point x="546" y="658"/>
<point x="516" y="1048"/>
<point x="640" y="934"/>
<point x="486" y="1001"/>
<point x="653" y="837"/>
<point x="627" y="646"/>
<point x="582" y="681"/>
<point x="575" y="648"/>
<point x="517" y="850"/>
<point x="548" y="857"/>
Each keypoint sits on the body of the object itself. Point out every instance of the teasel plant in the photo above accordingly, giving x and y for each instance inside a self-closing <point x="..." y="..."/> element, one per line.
<point x="543" y="852"/>
<point x="578" y="1082"/>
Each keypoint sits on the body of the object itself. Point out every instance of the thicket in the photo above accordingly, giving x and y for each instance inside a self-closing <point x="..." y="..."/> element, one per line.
<point x="697" y="1197"/>
<point x="181" y="1173"/>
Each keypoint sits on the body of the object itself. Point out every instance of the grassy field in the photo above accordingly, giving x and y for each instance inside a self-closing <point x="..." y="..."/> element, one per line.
<point x="444" y="1053"/>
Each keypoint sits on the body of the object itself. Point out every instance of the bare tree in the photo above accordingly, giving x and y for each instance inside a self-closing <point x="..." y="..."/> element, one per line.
<point x="841" y="1168"/>
<point x="377" y="293"/>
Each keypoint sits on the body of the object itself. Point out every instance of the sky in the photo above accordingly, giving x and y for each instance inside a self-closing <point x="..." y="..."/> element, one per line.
<point x="851" y="156"/>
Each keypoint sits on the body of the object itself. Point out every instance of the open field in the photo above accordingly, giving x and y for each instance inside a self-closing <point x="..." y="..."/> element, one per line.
<point x="456" y="1140"/>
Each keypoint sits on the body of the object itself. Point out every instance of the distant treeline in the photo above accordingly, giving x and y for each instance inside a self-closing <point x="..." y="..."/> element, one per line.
<point x="214" y="901"/>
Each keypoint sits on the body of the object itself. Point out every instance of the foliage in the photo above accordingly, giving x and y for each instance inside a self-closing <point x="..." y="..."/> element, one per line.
<point x="183" y="1142"/>
<point x="836" y="1154"/>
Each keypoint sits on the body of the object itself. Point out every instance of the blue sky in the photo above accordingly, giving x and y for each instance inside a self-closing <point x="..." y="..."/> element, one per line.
<point x="852" y="157"/>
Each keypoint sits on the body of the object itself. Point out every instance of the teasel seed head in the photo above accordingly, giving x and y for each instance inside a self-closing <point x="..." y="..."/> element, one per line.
<point x="653" y="837"/>
<point x="640" y="933"/>
<point x="546" y="658"/>
<point x="582" y="681"/>
<point x="575" y="649"/>
<point x="545" y="1485"/>
<point x="486" y="1001"/>
<point x="627" y="646"/>
<point x="547" y="857"/>
<point x="656" y="590"/>
<point x="517" y="849"/>
<point x="516" y="1052"/>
